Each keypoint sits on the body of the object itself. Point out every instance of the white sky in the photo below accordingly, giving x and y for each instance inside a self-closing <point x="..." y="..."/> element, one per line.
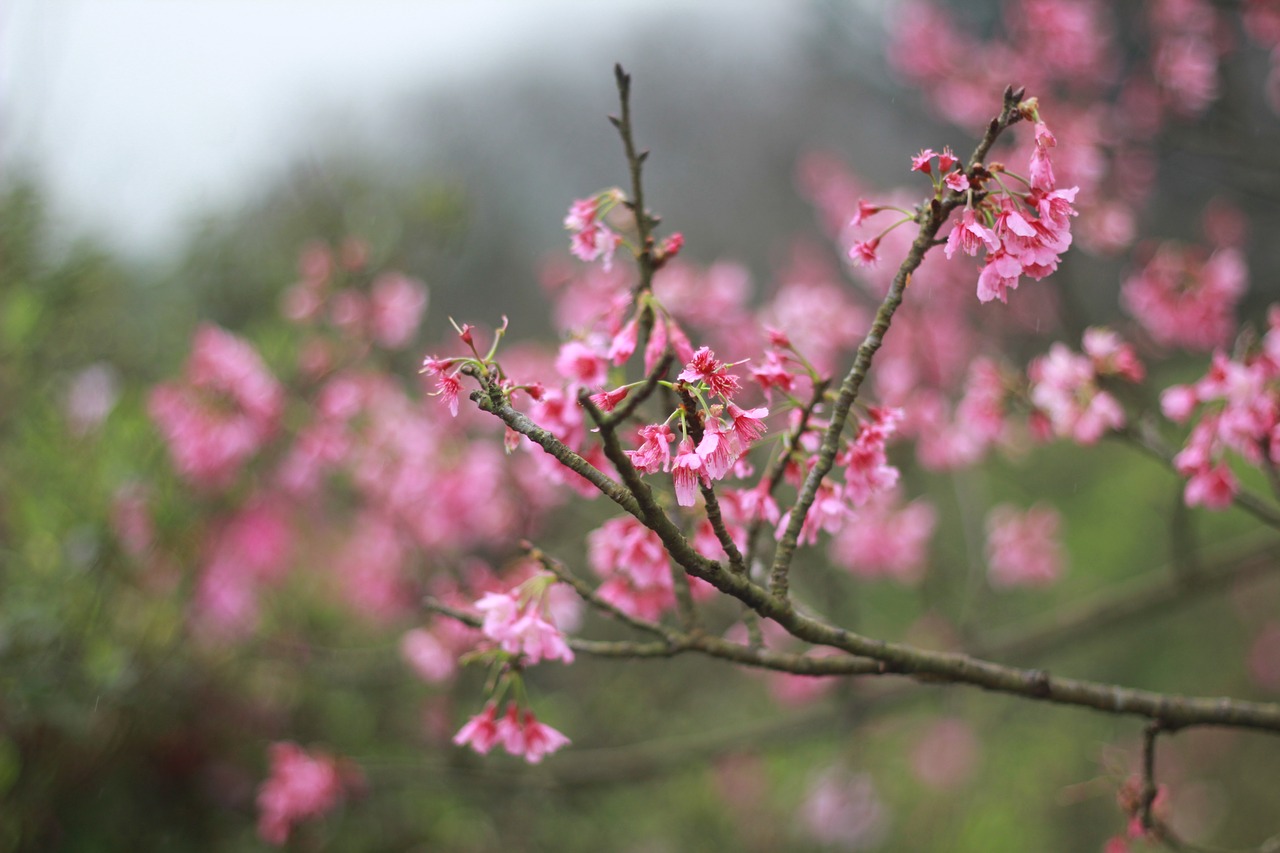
<point x="138" y="113"/>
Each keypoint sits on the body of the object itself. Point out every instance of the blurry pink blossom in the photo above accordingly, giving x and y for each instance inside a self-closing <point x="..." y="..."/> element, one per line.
<point x="1023" y="547"/>
<point x="300" y="786"/>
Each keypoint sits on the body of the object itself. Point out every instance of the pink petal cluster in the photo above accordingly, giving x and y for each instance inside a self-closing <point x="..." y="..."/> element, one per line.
<point x="301" y="786"/>
<point x="1065" y="388"/>
<point x="222" y="412"/>
<point x="886" y="540"/>
<point x="1025" y="235"/>
<point x="867" y="471"/>
<point x="524" y="737"/>
<point x="1240" y="411"/>
<point x="1023" y="547"/>
<point x="1183" y="298"/>
<point x="520" y="629"/>
<point x="591" y="239"/>
<point x="248" y="551"/>
<point x="706" y="368"/>
<point x="633" y="563"/>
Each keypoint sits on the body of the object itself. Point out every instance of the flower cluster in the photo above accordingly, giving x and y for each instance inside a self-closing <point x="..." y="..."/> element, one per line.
<point x="590" y="238"/>
<point x="301" y="786"/>
<point x="1022" y="234"/>
<point x="1241" y="412"/>
<point x="225" y="409"/>
<point x="520" y="735"/>
<point x="1066" y="392"/>
<point x="1023" y="547"/>
<point x="1183" y="298"/>
<point x="516" y="623"/>
<point x="728" y="430"/>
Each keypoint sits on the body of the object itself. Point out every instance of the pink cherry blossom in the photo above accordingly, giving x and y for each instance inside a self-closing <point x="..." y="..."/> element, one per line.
<point x="301" y="786"/>
<point x="654" y="453"/>
<point x="1023" y="547"/>
<point x="540" y="740"/>
<point x="481" y="731"/>
<point x="705" y="367"/>
<point x="431" y="659"/>
<point x="920" y="162"/>
<point x="396" y="304"/>
<point x="688" y="471"/>
<point x="864" y="254"/>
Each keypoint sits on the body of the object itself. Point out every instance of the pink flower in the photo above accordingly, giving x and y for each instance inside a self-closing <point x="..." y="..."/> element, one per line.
<point x="1183" y="299"/>
<point x="582" y="364"/>
<point x="396" y="303"/>
<point x="774" y="374"/>
<point x="521" y="630"/>
<point x="226" y="408"/>
<point x="481" y="731"/>
<point x="920" y="162"/>
<point x="1022" y="547"/>
<point x="970" y="235"/>
<point x="864" y="253"/>
<point x="654" y="453"/>
<point x="865" y="209"/>
<point x="688" y="470"/>
<point x="957" y="181"/>
<point x="428" y="657"/>
<point x="748" y="424"/>
<point x="883" y="540"/>
<point x="843" y="809"/>
<point x="1064" y="387"/>
<point x="300" y="786"/>
<point x="705" y="367"/>
<point x="540" y="740"/>
<point x="946" y="160"/>
<point x="607" y="401"/>
<point x="999" y="275"/>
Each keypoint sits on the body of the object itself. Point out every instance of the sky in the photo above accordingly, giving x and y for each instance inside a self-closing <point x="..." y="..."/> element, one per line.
<point x="139" y="114"/>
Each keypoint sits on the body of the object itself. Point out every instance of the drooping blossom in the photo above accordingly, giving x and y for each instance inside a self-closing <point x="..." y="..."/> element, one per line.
<point x="867" y="471"/>
<point x="481" y="731"/>
<point x="688" y="471"/>
<point x="1023" y="547"/>
<point x="301" y="786"/>
<point x="521" y="629"/>
<point x="591" y="239"/>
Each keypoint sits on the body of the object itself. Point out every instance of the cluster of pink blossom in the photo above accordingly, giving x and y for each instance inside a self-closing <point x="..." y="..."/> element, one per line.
<point x="301" y="786"/>
<point x="885" y="538"/>
<point x="1023" y="547"/>
<point x="635" y="568"/>
<point x="520" y="629"/>
<point x="1066" y="391"/>
<point x="1241" y="412"/>
<point x="1183" y="298"/>
<point x="520" y="735"/>
<point x="1021" y="235"/>
<point x="227" y="406"/>
<point x="331" y="289"/>
<point x="591" y="238"/>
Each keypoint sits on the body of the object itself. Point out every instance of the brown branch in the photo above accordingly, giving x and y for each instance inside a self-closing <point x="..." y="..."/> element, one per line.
<point x="930" y="219"/>
<point x="635" y="162"/>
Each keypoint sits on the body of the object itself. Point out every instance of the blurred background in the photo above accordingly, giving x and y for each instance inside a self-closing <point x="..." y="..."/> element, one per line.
<point x="164" y="164"/>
